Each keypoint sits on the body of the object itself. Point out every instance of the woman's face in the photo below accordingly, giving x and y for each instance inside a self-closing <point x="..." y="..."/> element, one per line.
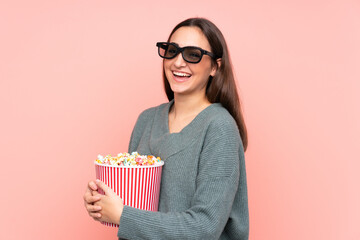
<point x="189" y="78"/>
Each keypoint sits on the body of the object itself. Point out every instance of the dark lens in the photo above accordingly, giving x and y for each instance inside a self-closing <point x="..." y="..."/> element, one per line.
<point x="162" y="49"/>
<point x="167" y="50"/>
<point x="192" y="54"/>
<point x="171" y="51"/>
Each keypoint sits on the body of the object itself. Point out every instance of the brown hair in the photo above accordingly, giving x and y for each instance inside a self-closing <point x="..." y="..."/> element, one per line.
<point x="221" y="88"/>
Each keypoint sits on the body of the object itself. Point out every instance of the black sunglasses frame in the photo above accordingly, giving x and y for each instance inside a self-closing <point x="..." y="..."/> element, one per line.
<point x="181" y="50"/>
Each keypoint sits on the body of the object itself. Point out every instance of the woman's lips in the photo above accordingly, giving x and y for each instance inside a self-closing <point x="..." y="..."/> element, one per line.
<point x="181" y="76"/>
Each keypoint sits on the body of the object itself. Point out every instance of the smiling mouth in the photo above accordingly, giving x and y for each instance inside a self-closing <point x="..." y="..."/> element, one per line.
<point x="181" y="74"/>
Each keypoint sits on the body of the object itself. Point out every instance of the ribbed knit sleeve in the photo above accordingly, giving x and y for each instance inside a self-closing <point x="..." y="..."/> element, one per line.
<point x="216" y="186"/>
<point x="144" y="119"/>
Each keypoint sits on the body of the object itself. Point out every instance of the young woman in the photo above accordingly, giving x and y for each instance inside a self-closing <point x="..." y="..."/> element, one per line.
<point x="201" y="136"/>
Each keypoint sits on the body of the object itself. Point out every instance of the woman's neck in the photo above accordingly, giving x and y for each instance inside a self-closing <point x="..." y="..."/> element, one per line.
<point x="185" y="106"/>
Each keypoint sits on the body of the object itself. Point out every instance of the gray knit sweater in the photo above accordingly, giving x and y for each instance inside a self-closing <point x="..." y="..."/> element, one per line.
<point x="203" y="191"/>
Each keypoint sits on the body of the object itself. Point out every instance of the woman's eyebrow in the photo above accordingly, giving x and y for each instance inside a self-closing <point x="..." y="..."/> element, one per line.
<point x="185" y="46"/>
<point x="175" y="44"/>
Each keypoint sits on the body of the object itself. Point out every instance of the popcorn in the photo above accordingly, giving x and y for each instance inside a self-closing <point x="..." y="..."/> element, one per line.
<point x="126" y="159"/>
<point x="135" y="178"/>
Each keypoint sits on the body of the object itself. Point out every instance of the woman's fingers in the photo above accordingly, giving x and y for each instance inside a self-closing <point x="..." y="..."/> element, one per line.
<point x="92" y="208"/>
<point x="92" y="186"/>
<point x="94" y="215"/>
<point x="91" y="196"/>
<point x="90" y="199"/>
<point x="107" y="190"/>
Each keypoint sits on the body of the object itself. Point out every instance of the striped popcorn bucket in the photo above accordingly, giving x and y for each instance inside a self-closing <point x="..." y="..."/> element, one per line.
<point x="138" y="186"/>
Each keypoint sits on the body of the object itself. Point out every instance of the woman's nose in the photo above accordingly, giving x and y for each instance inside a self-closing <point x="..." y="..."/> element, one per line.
<point x="179" y="61"/>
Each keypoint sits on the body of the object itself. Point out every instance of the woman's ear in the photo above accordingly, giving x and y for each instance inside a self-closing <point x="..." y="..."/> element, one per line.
<point x="215" y="67"/>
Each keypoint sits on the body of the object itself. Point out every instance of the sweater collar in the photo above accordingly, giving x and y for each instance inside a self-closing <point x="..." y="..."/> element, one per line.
<point x="165" y="144"/>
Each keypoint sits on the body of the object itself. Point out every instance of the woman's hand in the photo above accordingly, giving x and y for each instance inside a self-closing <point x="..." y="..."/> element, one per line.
<point x="111" y="204"/>
<point x="91" y="196"/>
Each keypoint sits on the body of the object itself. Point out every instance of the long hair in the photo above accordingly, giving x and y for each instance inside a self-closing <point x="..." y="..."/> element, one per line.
<point x="222" y="87"/>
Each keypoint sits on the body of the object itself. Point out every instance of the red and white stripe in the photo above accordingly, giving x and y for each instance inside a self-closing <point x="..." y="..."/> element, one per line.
<point x="139" y="187"/>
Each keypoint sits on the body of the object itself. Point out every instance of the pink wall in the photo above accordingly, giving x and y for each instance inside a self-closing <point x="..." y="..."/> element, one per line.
<point x="74" y="75"/>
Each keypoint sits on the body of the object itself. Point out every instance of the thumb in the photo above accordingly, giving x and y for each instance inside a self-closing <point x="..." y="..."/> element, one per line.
<point x="107" y="190"/>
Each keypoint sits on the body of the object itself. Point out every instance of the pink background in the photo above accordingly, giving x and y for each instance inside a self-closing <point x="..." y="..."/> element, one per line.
<point x="74" y="75"/>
